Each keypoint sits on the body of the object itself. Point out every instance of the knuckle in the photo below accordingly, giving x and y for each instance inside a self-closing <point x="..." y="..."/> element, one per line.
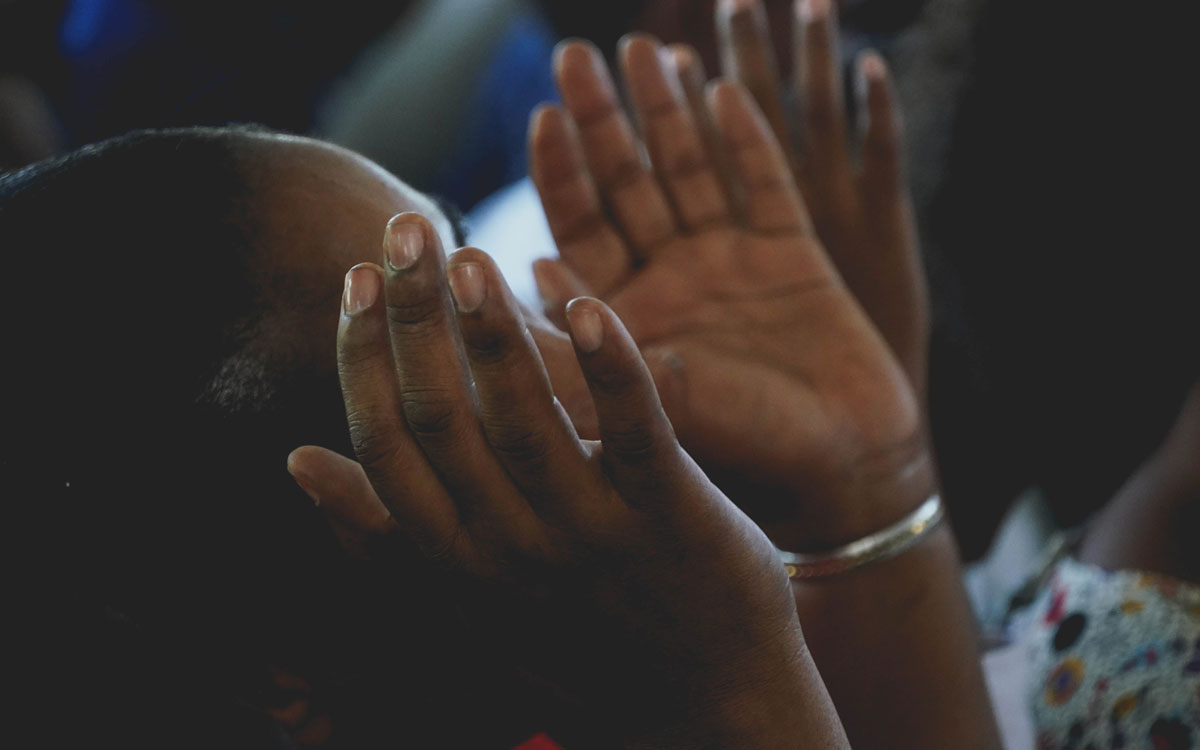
<point x="518" y="442"/>
<point x="443" y="550"/>
<point x="622" y="175"/>
<point x="374" y="447"/>
<point x="631" y="444"/>
<point x="357" y="366"/>
<point x="686" y="162"/>
<point x="612" y="380"/>
<point x="768" y="182"/>
<point x="420" y="313"/>
<point x="490" y="346"/>
<point x="429" y="413"/>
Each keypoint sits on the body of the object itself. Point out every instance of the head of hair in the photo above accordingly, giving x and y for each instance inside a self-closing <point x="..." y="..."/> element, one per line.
<point x="145" y="435"/>
<point x="149" y="410"/>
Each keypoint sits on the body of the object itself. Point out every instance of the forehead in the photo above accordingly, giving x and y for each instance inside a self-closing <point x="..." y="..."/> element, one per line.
<point x="324" y="208"/>
<point x="318" y="210"/>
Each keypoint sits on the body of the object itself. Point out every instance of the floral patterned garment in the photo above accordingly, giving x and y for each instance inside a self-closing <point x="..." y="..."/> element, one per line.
<point x="1115" y="660"/>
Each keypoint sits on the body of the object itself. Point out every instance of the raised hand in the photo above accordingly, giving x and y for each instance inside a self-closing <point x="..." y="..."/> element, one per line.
<point x="774" y="378"/>
<point x="619" y="568"/>
<point x="860" y="207"/>
<point x="770" y="371"/>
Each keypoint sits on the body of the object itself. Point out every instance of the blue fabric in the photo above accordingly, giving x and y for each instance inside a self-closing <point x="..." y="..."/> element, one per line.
<point x="94" y="30"/>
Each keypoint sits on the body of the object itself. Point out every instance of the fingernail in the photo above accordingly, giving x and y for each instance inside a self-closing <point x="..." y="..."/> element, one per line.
<point x="586" y="327"/>
<point x="404" y="245"/>
<point x="362" y="289"/>
<point x="466" y="284"/>
<point x="812" y="11"/>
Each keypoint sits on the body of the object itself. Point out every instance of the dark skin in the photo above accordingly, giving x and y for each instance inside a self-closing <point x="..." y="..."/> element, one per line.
<point x="763" y="346"/>
<point x="774" y="405"/>
<point x="1151" y="523"/>
<point x="907" y="617"/>
<point x="316" y="202"/>
<point x="620" y="544"/>
<point x="313" y="202"/>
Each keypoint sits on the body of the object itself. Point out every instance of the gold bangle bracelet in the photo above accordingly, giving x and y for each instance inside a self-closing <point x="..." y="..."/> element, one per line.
<point x="881" y="545"/>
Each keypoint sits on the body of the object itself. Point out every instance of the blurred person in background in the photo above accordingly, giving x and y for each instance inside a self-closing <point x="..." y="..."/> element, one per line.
<point x="29" y="127"/>
<point x="110" y="66"/>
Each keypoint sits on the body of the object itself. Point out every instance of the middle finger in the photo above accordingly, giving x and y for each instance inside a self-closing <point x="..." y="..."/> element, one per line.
<point x="672" y="137"/>
<point x="437" y="397"/>
<point x="613" y="156"/>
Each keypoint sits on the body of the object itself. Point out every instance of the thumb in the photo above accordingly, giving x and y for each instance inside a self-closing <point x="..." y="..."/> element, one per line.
<point x="340" y="489"/>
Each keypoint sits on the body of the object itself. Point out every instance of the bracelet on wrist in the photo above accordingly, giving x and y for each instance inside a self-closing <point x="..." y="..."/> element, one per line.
<point x="880" y="545"/>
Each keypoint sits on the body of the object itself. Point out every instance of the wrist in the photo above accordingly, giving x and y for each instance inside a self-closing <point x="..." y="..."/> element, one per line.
<point x="861" y="502"/>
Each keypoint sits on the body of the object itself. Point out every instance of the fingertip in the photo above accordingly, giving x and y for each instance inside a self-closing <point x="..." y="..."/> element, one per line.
<point x="727" y="97"/>
<point x="548" y="126"/>
<point x="575" y="52"/>
<point x="295" y="459"/>
<point x="538" y="119"/>
<point x="544" y="278"/>
<point x="731" y="8"/>
<point x="813" y="11"/>
<point x="685" y="57"/>
<point x="299" y="467"/>
<point x="686" y="62"/>
<point x="408" y="237"/>
<point x="562" y="50"/>
<point x="585" y="320"/>
<point x="470" y="254"/>
<point x="720" y="89"/>
<point x="468" y="286"/>
<point x="408" y="218"/>
<point x="872" y="67"/>
<point x="639" y="49"/>
<point x="883" y="119"/>
<point x="474" y="278"/>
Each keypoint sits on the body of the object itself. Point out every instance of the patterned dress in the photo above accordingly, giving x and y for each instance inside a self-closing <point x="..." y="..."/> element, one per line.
<point x="1115" y="661"/>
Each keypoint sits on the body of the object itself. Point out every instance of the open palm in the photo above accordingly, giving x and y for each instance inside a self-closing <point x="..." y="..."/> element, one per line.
<point x="773" y="376"/>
